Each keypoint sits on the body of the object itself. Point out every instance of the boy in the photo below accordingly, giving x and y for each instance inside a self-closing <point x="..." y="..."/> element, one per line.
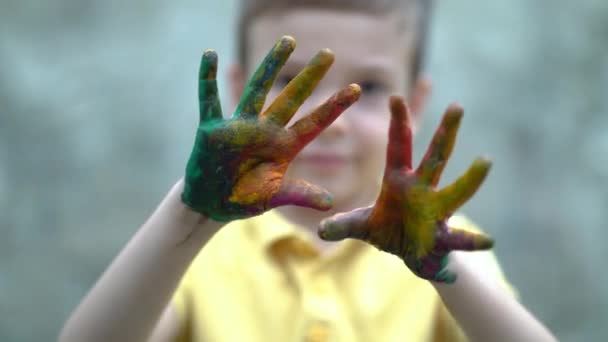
<point x="268" y="278"/>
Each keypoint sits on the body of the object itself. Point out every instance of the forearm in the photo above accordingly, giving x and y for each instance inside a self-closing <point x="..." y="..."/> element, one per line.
<point x="128" y="299"/>
<point x="484" y="310"/>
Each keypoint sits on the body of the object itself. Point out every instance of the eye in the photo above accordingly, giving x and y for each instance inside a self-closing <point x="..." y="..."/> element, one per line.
<point x="372" y="87"/>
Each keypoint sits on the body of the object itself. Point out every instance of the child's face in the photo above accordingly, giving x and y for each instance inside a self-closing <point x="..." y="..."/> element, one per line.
<point x="374" y="51"/>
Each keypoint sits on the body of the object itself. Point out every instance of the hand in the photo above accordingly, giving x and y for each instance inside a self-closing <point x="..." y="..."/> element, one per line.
<point x="409" y="218"/>
<point x="237" y="165"/>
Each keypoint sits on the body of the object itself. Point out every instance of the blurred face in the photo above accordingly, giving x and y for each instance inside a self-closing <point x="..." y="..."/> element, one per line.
<point x="374" y="51"/>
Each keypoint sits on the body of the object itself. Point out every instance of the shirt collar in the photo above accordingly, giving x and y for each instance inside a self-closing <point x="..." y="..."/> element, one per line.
<point x="280" y="238"/>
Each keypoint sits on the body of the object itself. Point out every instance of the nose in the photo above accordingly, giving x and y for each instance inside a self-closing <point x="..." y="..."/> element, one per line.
<point x="336" y="130"/>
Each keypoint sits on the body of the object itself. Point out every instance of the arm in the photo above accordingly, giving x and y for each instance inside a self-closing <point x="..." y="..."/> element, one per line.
<point x="129" y="297"/>
<point x="235" y="171"/>
<point x="409" y="220"/>
<point x="484" y="310"/>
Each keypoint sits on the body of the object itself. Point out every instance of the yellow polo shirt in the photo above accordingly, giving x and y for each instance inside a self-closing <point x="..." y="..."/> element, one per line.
<point x="261" y="279"/>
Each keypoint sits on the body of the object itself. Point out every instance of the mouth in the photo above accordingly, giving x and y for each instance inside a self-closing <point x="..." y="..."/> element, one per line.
<point x="324" y="160"/>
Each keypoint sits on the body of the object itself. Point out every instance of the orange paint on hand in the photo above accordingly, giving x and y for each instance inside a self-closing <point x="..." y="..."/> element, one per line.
<point x="409" y="218"/>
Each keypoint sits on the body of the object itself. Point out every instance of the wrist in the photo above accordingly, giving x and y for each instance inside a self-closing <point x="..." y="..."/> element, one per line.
<point x="454" y="266"/>
<point x="470" y="267"/>
<point x="182" y="211"/>
<point x="186" y="223"/>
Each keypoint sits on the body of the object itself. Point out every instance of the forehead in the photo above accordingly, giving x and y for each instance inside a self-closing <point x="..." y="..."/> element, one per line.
<point x="354" y="37"/>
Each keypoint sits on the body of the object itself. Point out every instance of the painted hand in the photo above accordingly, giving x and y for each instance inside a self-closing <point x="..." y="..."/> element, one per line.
<point x="237" y="165"/>
<point x="410" y="216"/>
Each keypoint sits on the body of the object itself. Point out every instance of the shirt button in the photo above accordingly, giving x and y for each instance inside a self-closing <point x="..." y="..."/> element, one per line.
<point x="321" y="286"/>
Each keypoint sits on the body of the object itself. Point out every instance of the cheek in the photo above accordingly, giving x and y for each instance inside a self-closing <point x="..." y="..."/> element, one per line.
<point x="373" y="128"/>
<point x="374" y="104"/>
<point x="372" y="135"/>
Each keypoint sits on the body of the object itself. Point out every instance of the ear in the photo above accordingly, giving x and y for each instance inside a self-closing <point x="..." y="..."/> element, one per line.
<point x="236" y="78"/>
<point x="419" y="95"/>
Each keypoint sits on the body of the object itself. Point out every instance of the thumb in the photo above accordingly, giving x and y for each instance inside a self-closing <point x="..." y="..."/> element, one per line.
<point x="464" y="240"/>
<point x="302" y="193"/>
<point x="352" y="224"/>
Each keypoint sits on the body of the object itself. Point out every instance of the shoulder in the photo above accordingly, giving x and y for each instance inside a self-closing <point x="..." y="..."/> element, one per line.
<point x="459" y="220"/>
<point x="485" y="262"/>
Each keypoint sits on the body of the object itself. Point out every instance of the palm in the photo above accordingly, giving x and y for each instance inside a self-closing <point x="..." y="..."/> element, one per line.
<point x="237" y="165"/>
<point x="409" y="218"/>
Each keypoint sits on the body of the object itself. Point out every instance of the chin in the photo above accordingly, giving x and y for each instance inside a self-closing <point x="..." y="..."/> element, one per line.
<point x="345" y="194"/>
<point x="344" y="184"/>
<point x="327" y="171"/>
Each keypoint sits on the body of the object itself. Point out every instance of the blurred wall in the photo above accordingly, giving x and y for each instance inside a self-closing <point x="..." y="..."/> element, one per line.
<point x="98" y="110"/>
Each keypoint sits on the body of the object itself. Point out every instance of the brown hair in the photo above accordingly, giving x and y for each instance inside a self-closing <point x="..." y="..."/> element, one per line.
<point x="250" y="9"/>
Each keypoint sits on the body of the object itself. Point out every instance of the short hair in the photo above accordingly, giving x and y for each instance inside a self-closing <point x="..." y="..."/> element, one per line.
<point x="251" y="9"/>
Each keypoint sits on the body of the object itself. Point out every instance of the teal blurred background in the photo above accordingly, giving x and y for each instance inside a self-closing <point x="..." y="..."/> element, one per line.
<point x="98" y="110"/>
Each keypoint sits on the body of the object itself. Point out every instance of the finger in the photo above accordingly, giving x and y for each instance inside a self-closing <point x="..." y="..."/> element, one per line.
<point x="307" y="128"/>
<point x="302" y="193"/>
<point x="464" y="240"/>
<point x="352" y="224"/>
<point x="299" y="89"/>
<point x="456" y="194"/>
<point x="399" y="150"/>
<point x="441" y="146"/>
<point x="208" y="98"/>
<point x="260" y="82"/>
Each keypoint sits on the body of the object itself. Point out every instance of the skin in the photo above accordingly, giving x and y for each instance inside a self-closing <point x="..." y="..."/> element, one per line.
<point x="354" y="144"/>
<point x="359" y="138"/>
<point x="237" y="165"/>
<point x="253" y="150"/>
<point x="409" y="218"/>
<point x="155" y="259"/>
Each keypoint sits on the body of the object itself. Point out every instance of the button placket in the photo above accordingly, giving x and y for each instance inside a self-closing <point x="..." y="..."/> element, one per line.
<point x="319" y="303"/>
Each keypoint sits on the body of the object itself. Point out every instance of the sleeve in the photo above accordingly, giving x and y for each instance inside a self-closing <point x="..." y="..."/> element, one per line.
<point x="485" y="260"/>
<point x="194" y="300"/>
<point x="446" y="327"/>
